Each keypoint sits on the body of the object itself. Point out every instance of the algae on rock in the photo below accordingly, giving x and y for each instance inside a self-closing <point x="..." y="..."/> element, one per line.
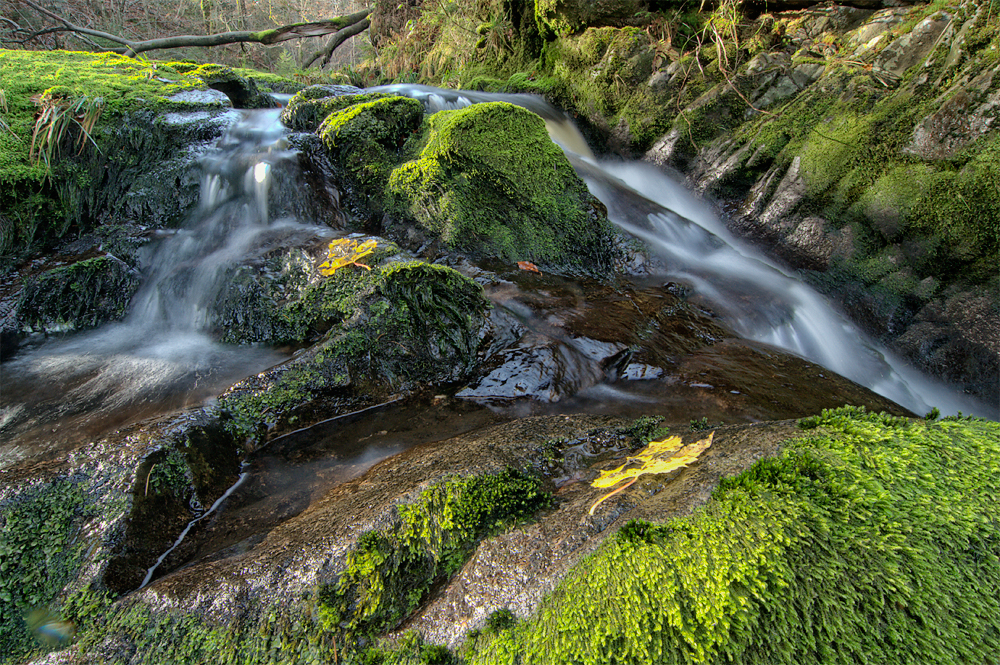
<point x="80" y="295"/>
<point x="385" y="330"/>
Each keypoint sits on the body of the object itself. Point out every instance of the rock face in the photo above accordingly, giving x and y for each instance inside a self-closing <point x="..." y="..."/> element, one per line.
<point x="856" y="144"/>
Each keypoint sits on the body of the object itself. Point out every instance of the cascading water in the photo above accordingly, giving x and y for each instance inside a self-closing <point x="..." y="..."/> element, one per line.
<point x="161" y="357"/>
<point x="751" y="294"/>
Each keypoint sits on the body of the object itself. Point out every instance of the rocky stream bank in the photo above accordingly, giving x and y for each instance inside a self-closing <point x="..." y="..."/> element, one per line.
<point x="412" y="483"/>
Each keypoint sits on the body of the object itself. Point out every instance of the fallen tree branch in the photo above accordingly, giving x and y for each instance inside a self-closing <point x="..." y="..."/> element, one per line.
<point x="267" y="37"/>
<point x="336" y="40"/>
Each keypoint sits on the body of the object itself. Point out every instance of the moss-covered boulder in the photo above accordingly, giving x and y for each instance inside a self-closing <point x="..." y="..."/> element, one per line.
<point x="489" y="181"/>
<point x="308" y="108"/>
<point x="384" y="330"/>
<point x="80" y="295"/>
<point x="365" y="141"/>
<point x="245" y="88"/>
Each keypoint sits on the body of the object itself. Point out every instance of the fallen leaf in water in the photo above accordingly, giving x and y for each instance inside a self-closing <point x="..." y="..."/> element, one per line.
<point x="529" y="266"/>
<point x="658" y="457"/>
<point x="344" y="252"/>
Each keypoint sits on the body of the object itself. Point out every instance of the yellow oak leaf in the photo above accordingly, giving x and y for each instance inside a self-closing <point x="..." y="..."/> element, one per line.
<point x="343" y="251"/>
<point x="658" y="457"/>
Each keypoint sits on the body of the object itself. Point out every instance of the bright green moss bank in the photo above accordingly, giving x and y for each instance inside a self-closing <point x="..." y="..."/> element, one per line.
<point x="84" y="177"/>
<point x="872" y="539"/>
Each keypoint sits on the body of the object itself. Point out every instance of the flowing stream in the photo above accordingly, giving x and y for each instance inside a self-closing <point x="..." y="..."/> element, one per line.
<point x="162" y="357"/>
<point x="752" y="295"/>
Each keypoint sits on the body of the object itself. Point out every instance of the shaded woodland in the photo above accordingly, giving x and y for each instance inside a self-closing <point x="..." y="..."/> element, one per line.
<point x="23" y="26"/>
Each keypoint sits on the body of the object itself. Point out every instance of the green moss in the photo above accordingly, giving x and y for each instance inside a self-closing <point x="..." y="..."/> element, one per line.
<point x="125" y="84"/>
<point x="39" y="205"/>
<point x="366" y="140"/>
<point x="390" y="572"/>
<point x="81" y="295"/>
<point x="871" y="539"/>
<point x="490" y="182"/>
<point x="307" y="109"/>
<point x="961" y="209"/>
<point x="603" y="69"/>
<point x="387" y="329"/>
<point x="40" y="552"/>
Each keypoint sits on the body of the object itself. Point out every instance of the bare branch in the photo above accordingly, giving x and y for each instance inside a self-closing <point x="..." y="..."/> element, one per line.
<point x="76" y="28"/>
<point x="352" y="24"/>
<point x="336" y="40"/>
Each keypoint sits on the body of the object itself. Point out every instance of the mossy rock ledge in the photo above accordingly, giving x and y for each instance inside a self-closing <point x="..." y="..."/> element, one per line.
<point x="844" y="537"/>
<point x="95" y="199"/>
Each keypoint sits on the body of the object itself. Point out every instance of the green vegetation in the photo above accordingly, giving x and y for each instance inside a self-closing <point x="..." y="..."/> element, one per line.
<point x="87" y="104"/>
<point x="631" y="78"/>
<point x="873" y="538"/>
<point x="489" y="181"/>
<point x="387" y="573"/>
<point x="308" y="108"/>
<point x="80" y="295"/>
<point x="390" y="572"/>
<point x="366" y="140"/>
<point x="40" y="553"/>
<point x="386" y="329"/>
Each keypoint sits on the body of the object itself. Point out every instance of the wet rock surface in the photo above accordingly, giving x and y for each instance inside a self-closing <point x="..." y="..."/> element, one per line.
<point x="514" y="571"/>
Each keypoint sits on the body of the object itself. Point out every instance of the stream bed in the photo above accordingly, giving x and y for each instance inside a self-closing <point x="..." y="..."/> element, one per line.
<point x="706" y="333"/>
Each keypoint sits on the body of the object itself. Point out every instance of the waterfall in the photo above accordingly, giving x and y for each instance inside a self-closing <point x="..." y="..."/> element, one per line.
<point x="753" y="295"/>
<point x="161" y="356"/>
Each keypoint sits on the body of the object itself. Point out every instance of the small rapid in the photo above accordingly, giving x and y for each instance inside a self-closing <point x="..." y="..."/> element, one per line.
<point x="751" y="294"/>
<point x="163" y="355"/>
